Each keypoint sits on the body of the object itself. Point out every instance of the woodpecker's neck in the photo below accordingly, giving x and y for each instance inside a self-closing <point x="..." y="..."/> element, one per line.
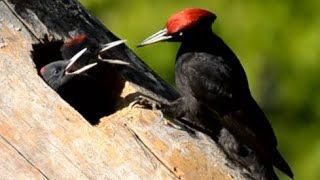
<point x="204" y="40"/>
<point x="197" y="40"/>
<point x="197" y="34"/>
<point x="208" y="42"/>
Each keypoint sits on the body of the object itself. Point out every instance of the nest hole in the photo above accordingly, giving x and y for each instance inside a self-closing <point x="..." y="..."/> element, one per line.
<point x="93" y="95"/>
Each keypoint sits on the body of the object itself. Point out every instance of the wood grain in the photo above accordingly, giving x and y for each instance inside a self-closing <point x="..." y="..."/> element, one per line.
<point x="42" y="137"/>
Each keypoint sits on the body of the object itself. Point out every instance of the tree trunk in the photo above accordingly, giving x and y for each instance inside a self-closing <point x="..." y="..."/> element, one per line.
<point x="42" y="137"/>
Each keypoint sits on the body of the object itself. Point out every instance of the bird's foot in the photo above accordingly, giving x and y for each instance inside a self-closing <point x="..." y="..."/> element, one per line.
<point x="180" y="126"/>
<point x="145" y="101"/>
<point x="171" y="124"/>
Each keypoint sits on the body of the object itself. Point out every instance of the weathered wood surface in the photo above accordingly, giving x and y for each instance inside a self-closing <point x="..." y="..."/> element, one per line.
<point x="42" y="137"/>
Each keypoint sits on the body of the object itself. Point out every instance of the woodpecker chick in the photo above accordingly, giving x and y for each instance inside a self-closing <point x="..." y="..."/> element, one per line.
<point x="77" y="82"/>
<point x="59" y="72"/>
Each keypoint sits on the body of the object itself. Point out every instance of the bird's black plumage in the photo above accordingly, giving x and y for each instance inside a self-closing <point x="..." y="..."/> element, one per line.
<point x="82" y="91"/>
<point x="215" y="92"/>
<point x="54" y="74"/>
<point x="94" y="92"/>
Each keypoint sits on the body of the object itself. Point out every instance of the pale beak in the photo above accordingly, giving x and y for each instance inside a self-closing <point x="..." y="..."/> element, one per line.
<point x="109" y="46"/>
<point x="100" y="59"/>
<point x="157" y="37"/>
<point x="73" y="60"/>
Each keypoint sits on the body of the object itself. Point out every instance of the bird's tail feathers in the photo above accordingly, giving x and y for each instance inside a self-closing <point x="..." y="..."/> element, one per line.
<point x="279" y="162"/>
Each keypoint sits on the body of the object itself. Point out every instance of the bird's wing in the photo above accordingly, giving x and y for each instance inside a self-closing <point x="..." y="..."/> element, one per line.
<point x="207" y="77"/>
<point x="215" y="82"/>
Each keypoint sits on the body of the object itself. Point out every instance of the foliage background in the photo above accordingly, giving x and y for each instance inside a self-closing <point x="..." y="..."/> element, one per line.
<point x="278" y="43"/>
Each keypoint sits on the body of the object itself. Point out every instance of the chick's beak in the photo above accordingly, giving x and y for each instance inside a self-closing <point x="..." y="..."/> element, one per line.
<point x="109" y="46"/>
<point x="76" y="57"/>
<point x="73" y="60"/>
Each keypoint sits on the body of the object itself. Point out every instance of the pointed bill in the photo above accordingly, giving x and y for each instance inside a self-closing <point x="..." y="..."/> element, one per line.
<point x="89" y="66"/>
<point x="115" y="61"/>
<point x="161" y="35"/>
<point x="111" y="45"/>
<point x="74" y="59"/>
<point x="83" y="69"/>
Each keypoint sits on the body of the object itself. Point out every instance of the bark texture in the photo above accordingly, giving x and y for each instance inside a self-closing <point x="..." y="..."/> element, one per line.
<point x="42" y="137"/>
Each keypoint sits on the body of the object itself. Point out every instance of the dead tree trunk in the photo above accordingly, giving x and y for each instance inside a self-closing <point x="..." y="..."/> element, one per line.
<point x="42" y="137"/>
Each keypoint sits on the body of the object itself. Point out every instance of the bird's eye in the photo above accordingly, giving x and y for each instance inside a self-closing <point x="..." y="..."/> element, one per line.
<point x="181" y="33"/>
<point x="56" y="71"/>
<point x="92" y="49"/>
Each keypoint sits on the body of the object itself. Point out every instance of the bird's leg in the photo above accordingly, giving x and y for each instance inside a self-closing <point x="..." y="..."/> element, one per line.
<point x="147" y="102"/>
<point x="155" y="105"/>
<point x="172" y="110"/>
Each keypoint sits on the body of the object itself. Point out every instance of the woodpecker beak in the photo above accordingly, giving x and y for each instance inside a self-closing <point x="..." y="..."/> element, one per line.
<point x="68" y="70"/>
<point x="109" y="46"/>
<point x="157" y="37"/>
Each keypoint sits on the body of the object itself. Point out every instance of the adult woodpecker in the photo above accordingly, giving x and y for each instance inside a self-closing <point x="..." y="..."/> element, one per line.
<point x="82" y="89"/>
<point x="209" y="76"/>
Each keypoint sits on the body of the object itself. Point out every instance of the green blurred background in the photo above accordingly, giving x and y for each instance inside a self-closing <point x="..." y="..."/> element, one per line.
<point x="278" y="43"/>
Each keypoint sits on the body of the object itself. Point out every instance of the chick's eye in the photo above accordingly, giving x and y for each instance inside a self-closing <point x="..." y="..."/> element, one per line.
<point x="56" y="71"/>
<point x="92" y="49"/>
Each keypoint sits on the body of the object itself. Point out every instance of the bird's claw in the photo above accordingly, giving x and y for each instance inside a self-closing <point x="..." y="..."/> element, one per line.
<point x="171" y="124"/>
<point x="145" y="102"/>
